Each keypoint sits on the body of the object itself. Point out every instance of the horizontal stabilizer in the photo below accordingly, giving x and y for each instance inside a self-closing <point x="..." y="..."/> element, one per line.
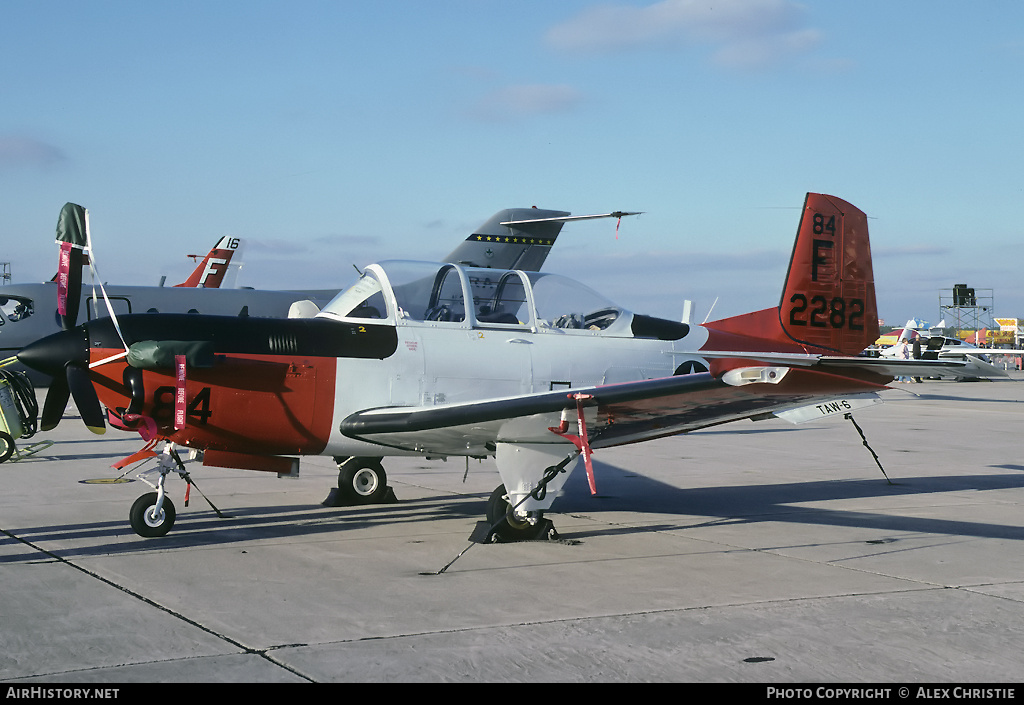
<point x="944" y="368"/>
<point x="570" y="218"/>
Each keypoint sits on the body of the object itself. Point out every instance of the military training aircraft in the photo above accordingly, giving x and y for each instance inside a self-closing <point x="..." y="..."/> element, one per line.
<point x="519" y="238"/>
<point x="447" y="359"/>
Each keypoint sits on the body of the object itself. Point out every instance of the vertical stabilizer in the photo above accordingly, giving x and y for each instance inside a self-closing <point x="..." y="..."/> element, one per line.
<point x="829" y="297"/>
<point x="828" y="300"/>
<point x="212" y="271"/>
<point x="515" y="238"/>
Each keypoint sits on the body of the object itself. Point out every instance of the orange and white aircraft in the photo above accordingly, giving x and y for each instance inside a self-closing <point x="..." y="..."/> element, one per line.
<point x="446" y="359"/>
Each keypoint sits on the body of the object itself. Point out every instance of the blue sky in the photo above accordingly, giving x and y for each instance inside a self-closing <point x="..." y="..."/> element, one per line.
<point x="337" y="133"/>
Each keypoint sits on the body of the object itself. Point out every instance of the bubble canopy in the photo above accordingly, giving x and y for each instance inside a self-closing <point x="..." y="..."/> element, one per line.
<point x="404" y="292"/>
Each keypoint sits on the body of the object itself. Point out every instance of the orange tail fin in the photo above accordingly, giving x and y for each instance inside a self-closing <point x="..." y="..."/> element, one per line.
<point x="829" y="297"/>
<point x="828" y="301"/>
<point x="211" y="271"/>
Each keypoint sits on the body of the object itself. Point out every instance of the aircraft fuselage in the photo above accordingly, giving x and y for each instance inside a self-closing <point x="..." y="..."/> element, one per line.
<point x="283" y="387"/>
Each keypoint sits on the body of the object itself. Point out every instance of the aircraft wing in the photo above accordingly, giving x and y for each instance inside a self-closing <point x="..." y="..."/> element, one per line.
<point x="616" y="414"/>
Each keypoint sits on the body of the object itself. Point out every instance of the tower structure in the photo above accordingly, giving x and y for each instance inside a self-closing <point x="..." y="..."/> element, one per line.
<point x="967" y="308"/>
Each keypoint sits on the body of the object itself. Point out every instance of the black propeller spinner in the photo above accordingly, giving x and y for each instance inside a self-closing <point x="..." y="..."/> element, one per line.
<point x="65" y="356"/>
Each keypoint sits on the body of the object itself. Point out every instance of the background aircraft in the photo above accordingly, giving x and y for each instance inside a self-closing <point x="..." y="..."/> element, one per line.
<point x="446" y="360"/>
<point x="518" y="238"/>
<point x="931" y="345"/>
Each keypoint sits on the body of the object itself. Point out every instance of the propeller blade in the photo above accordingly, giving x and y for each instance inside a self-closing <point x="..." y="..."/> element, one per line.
<point x="55" y="403"/>
<point x="64" y="356"/>
<point x="73" y="233"/>
<point x="69" y="319"/>
<point x="85" y="398"/>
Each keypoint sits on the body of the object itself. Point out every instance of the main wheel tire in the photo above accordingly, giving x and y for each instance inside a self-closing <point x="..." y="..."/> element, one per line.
<point x="363" y="481"/>
<point x="145" y="523"/>
<point x="508" y="528"/>
<point x="6" y="446"/>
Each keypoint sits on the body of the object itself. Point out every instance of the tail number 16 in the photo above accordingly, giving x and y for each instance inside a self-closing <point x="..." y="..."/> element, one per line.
<point x="819" y="312"/>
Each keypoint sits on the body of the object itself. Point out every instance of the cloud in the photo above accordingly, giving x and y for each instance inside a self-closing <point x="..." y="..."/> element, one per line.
<point x="19" y="150"/>
<point x="516" y="102"/>
<point x="765" y="51"/>
<point x="742" y="33"/>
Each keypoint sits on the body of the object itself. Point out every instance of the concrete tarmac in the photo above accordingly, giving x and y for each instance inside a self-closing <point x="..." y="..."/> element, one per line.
<point x="748" y="553"/>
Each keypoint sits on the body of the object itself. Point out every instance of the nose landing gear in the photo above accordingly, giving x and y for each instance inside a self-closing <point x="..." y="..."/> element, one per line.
<point x="152" y="515"/>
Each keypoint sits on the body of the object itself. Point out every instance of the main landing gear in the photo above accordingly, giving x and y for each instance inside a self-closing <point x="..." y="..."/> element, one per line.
<point x="518" y="515"/>
<point x="507" y="527"/>
<point x="360" y="481"/>
<point x="516" y="508"/>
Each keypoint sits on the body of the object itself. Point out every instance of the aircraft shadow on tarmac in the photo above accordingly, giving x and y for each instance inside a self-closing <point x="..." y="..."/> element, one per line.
<point x="619" y="490"/>
<point x="202" y="527"/>
<point x="630" y="492"/>
<point x="928" y="396"/>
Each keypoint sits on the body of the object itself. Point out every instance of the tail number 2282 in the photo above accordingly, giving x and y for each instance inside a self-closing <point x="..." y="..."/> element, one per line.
<point x="821" y="312"/>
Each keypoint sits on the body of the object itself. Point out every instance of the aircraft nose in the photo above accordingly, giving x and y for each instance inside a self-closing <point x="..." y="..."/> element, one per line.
<point x="50" y="355"/>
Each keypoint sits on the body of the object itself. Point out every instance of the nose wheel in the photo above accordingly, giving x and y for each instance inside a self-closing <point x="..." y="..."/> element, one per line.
<point x="151" y="518"/>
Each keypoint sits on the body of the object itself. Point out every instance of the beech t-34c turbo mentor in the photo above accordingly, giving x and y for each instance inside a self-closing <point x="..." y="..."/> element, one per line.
<point x="442" y="360"/>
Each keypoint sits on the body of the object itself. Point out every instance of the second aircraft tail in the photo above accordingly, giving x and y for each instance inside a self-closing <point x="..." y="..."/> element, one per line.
<point x="212" y="271"/>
